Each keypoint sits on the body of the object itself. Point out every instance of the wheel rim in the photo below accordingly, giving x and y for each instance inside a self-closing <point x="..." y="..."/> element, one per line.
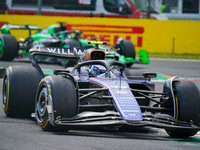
<point x="41" y="106"/>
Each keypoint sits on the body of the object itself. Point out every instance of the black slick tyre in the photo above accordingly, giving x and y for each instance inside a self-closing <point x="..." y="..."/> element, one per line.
<point x="8" y="47"/>
<point x="187" y="106"/>
<point x="19" y="90"/>
<point x="127" y="49"/>
<point x="59" y="94"/>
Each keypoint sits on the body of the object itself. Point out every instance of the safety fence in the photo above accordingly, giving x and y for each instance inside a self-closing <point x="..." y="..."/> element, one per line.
<point x="158" y="9"/>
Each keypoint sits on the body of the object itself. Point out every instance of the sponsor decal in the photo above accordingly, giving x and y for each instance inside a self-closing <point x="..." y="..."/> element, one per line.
<point x="121" y="92"/>
<point x="109" y="33"/>
<point x="67" y="51"/>
<point x="60" y="51"/>
<point x="84" y="2"/>
<point x="132" y="115"/>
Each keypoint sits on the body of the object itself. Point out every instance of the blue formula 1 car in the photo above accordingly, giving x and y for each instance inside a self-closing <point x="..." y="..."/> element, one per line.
<point x="96" y="93"/>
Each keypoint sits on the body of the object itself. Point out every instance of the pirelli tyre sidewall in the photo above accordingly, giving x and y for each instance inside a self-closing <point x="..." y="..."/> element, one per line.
<point x="6" y="92"/>
<point x="19" y="90"/>
<point x="56" y="98"/>
<point x="8" y="47"/>
<point x="187" y="103"/>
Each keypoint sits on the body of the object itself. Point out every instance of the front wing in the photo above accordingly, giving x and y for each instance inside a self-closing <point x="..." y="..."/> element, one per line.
<point x="110" y="118"/>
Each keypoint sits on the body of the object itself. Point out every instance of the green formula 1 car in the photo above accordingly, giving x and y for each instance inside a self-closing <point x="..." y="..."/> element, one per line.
<point x="59" y="36"/>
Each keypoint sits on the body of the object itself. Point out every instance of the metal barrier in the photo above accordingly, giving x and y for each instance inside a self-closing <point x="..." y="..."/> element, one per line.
<point x="2" y="6"/>
<point x="158" y="9"/>
<point x="181" y="9"/>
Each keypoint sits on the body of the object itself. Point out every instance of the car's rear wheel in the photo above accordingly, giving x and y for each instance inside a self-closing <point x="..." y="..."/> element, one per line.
<point x="56" y="98"/>
<point x="127" y="49"/>
<point x="187" y="103"/>
<point x="8" y="47"/>
<point x="19" y="89"/>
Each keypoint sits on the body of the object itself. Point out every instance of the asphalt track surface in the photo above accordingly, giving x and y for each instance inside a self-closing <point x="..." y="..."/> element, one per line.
<point x="25" y="134"/>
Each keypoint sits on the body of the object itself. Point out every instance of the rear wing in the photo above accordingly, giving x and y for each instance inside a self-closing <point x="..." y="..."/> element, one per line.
<point x="5" y="29"/>
<point x="67" y="53"/>
<point x="62" y="53"/>
<point x="76" y="54"/>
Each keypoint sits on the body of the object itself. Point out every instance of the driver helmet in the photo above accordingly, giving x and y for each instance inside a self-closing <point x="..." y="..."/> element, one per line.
<point x="96" y="70"/>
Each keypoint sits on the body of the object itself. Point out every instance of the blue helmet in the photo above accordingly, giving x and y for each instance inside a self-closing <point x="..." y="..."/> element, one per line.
<point x="97" y="70"/>
<point x="94" y="71"/>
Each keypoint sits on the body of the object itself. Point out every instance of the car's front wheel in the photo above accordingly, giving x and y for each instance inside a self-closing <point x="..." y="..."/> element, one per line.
<point x="187" y="107"/>
<point x="56" y="98"/>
